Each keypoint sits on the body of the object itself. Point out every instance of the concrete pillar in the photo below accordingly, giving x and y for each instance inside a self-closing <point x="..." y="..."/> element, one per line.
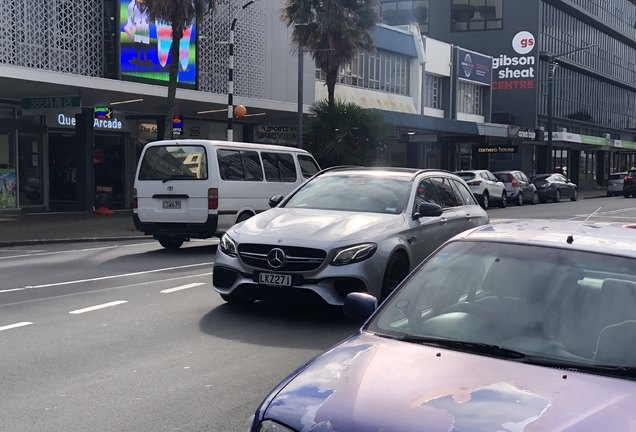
<point x="84" y="147"/>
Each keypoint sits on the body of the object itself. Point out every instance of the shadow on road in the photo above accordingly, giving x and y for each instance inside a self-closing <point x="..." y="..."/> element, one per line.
<point x="279" y="325"/>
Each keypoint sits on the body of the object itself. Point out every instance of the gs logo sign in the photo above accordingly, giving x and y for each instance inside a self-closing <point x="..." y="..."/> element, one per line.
<point x="523" y="43"/>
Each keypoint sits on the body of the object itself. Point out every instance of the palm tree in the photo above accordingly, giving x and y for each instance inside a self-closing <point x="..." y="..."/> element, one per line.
<point x="339" y="25"/>
<point x="346" y="134"/>
<point x="179" y="14"/>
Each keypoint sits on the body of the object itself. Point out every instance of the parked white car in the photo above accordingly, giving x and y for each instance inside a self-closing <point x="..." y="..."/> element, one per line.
<point x="486" y="187"/>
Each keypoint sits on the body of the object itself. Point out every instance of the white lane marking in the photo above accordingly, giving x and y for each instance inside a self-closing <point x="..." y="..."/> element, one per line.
<point x="12" y="326"/>
<point x="94" y="308"/>
<point x="183" y="287"/>
<point x="33" y="253"/>
<point x="104" y="289"/>
<point x="105" y="277"/>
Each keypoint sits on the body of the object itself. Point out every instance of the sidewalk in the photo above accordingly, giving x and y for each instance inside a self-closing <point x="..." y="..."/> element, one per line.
<point x="40" y="228"/>
<point x="25" y="229"/>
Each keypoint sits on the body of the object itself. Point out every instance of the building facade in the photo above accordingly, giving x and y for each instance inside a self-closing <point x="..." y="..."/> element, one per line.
<point x="83" y="87"/>
<point x="594" y="89"/>
<point x="436" y="94"/>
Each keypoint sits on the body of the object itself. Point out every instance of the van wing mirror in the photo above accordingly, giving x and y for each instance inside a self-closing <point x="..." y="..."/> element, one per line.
<point x="275" y="200"/>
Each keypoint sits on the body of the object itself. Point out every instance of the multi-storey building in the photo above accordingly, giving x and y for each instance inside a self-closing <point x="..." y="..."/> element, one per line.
<point x="437" y="96"/>
<point x="83" y="88"/>
<point x="594" y="89"/>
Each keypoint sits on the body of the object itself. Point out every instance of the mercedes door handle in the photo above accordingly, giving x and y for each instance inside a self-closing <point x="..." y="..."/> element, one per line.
<point x="444" y="221"/>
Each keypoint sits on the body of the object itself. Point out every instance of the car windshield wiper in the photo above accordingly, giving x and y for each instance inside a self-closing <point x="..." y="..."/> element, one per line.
<point x="177" y="177"/>
<point x="510" y="354"/>
<point x="472" y="347"/>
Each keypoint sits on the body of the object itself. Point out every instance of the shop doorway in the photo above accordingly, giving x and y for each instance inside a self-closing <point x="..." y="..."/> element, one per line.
<point x="109" y="157"/>
<point x="108" y="166"/>
<point x="62" y="173"/>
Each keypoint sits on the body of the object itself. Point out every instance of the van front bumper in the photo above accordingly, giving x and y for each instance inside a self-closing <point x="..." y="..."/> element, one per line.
<point x="203" y="230"/>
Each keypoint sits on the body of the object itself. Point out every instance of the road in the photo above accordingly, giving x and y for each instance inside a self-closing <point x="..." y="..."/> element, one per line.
<point x="615" y="211"/>
<point x="130" y="337"/>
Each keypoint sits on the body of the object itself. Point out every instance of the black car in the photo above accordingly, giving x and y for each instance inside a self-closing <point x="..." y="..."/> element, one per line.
<point x="629" y="184"/>
<point x="554" y="187"/>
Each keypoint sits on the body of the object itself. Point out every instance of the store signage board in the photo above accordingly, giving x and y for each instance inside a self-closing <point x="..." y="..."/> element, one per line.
<point x="499" y="149"/>
<point x="50" y="105"/>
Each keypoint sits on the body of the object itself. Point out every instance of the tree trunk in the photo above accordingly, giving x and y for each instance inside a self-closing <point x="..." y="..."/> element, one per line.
<point x="332" y="77"/>
<point x="177" y="34"/>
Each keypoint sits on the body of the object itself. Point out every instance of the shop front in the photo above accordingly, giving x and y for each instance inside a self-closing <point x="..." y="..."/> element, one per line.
<point x="21" y="168"/>
<point x="109" y="160"/>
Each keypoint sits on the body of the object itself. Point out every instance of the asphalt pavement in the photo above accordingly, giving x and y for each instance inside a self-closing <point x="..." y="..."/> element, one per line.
<point x="44" y="228"/>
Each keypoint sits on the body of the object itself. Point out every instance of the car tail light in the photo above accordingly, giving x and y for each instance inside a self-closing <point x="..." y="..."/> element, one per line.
<point x="474" y="183"/>
<point x="513" y="180"/>
<point x="626" y="178"/>
<point x="135" y="202"/>
<point x="213" y="199"/>
<point x="609" y="183"/>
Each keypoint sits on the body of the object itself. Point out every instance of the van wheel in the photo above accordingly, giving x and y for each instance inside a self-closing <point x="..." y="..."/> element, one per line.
<point x="244" y="216"/>
<point x="171" y="243"/>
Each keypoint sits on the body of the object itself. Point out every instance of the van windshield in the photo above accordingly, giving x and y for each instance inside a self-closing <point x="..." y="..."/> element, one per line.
<point x="174" y="163"/>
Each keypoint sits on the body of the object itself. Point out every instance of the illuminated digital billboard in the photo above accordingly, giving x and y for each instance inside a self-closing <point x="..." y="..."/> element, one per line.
<point x="145" y="47"/>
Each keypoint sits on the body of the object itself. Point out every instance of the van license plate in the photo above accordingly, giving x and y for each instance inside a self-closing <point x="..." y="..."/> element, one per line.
<point x="172" y="204"/>
<point x="274" y="279"/>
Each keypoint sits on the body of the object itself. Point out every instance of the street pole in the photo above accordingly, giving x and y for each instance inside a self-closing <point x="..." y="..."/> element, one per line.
<point x="551" y="67"/>
<point x="230" y="76"/>
<point x="301" y="57"/>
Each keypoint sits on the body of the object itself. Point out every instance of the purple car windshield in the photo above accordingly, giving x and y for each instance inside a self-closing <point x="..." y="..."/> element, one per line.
<point x="547" y="302"/>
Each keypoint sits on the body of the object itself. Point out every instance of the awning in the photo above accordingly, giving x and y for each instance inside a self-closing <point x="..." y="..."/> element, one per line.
<point x="428" y="123"/>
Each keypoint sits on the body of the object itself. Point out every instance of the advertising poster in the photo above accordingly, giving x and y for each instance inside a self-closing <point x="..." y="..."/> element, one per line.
<point x="8" y="189"/>
<point x="145" y="46"/>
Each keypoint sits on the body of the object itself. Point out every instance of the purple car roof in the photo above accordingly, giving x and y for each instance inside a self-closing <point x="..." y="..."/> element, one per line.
<point x="588" y="237"/>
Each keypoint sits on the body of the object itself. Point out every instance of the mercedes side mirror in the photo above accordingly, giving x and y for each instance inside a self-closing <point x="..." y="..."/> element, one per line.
<point x="275" y="200"/>
<point x="428" y="210"/>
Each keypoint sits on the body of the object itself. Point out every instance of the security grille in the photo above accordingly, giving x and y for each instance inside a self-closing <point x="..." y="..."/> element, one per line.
<point x="250" y="41"/>
<point x="55" y="35"/>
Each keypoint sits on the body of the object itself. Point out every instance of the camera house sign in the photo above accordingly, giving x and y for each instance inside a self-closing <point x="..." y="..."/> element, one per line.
<point x="516" y="72"/>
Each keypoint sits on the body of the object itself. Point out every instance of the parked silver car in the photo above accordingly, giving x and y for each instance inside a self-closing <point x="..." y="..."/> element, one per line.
<point x="519" y="187"/>
<point x="345" y="230"/>
<point x="486" y="187"/>
<point x="615" y="184"/>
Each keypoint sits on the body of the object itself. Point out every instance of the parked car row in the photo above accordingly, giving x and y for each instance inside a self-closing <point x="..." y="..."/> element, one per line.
<point x="503" y="187"/>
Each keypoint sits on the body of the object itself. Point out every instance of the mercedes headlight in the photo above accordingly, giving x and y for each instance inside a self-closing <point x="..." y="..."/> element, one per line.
<point x="354" y="254"/>
<point x="270" y="426"/>
<point x="227" y="245"/>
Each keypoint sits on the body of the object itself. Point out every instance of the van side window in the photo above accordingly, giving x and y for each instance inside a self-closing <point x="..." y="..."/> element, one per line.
<point x="230" y="165"/>
<point x="308" y="166"/>
<point x="252" y="165"/>
<point x="279" y="167"/>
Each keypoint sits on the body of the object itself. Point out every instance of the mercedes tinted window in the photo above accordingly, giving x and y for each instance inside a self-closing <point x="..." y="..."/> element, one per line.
<point x="462" y="191"/>
<point x="447" y="194"/>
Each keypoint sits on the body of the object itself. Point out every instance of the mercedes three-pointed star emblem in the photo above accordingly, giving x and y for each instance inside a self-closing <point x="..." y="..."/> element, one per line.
<point x="276" y="258"/>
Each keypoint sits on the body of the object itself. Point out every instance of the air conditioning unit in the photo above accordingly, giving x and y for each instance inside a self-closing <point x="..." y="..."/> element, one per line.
<point x="561" y="129"/>
<point x="608" y="136"/>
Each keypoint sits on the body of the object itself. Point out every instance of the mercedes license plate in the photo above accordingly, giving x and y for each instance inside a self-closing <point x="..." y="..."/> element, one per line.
<point x="172" y="204"/>
<point x="274" y="279"/>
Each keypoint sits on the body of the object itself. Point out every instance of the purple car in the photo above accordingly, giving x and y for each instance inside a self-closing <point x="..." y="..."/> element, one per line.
<point x="512" y="327"/>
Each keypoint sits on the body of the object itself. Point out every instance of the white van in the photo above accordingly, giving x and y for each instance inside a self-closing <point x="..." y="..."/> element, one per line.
<point x="198" y="188"/>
